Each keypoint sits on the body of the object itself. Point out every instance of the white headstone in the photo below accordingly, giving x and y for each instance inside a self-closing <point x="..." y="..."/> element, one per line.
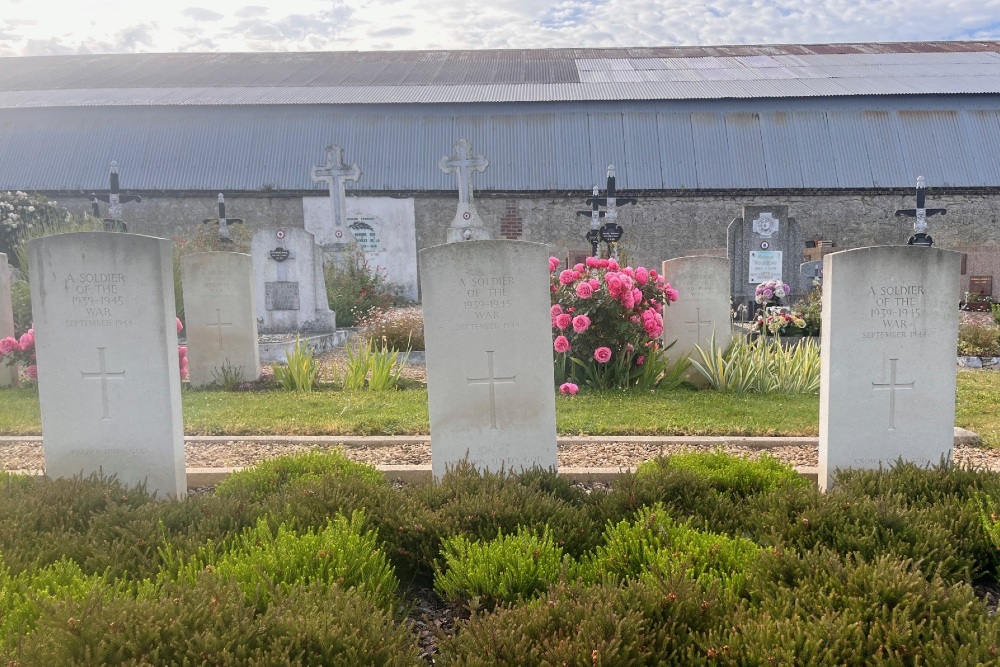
<point x="8" y="374"/>
<point x="219" y="316"/>
<point x="890" y="331"/>
<point x="289" y="287"/>
<point x="489" y="355"/>
<point x="703" y="307"/>
<point x="108" y="375"/>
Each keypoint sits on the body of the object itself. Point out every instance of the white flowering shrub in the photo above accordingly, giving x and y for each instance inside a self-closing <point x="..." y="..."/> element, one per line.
<point x="23" y="213"/>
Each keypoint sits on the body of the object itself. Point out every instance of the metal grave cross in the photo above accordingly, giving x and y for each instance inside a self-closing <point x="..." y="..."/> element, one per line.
<point x="891" y="387"/>
<point x="104" y="376"/>
<point x="219" y="324"/>
<point x="224" y="222"/>
<point x="334" y="173"/>
<point x="610" y="202"/>
<point x="492" y="380"/>
<point x="114" y="199"/>
<point x="697" y="321"/>
<point x="920" y="215"/>
<point x="463" y="164"/>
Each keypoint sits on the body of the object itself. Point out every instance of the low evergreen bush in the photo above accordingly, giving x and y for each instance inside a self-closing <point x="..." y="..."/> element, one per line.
<point x="269" y="477"/>
<point x="733" y="475"/>
<point x="499" y="571"/>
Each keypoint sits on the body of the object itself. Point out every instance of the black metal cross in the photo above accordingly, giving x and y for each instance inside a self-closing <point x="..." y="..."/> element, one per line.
<point x="223" y="221"/>
<point x="114" y="199"/>
<point x="610" y="202"/>
<point x="920" y="214"/>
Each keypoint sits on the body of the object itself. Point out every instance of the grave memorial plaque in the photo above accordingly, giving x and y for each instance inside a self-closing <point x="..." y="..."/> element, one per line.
<point x="611" y="232"/>
<point x="489" y="355"/>
<point x="279" y="254"/>
<point x="764" y="265"/>
<point x="106" y="341"/>
<point x="281" y="295"/>
<point x="890" y="330"/>
<point x="981" y="285"/>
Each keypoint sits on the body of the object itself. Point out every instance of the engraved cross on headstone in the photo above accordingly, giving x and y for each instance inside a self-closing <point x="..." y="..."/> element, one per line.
<point x="920" y="214"/>
<point x="697" y="321"/>
<point x="219" y="324"/>
<point x="462" y="164"/>
<point x="104" y="376"/>
<point x="334" y="173"/>
<point x="492" y="380"/>
<point x="891" y="387"/>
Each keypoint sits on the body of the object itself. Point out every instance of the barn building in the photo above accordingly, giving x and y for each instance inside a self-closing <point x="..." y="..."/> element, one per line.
<point x="838" y="132"/>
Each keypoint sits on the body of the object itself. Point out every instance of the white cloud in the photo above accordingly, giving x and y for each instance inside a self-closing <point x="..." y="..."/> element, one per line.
<point x="54" y="26"/>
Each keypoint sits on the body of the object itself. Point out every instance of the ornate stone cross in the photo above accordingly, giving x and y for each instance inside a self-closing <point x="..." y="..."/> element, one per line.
<point x="467" y="225"/>
<point x="891" y="386"/>
<point x="492" y="380"/>
<point x="104" y="376"/>
<point x="334" y="173"/>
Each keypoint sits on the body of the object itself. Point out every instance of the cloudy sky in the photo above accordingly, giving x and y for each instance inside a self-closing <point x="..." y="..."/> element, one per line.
<point x="43" y="27"/>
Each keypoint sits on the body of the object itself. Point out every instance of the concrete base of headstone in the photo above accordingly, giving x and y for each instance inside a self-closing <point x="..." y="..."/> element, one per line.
<point x="275" y="351"/>
<point x="467" y="225"/>
<point x="489" y="355"/>
<point x="890" y="330"/>
<point x="8" y="373"/>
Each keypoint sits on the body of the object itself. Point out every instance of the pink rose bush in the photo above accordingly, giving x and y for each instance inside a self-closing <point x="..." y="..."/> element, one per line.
<point x="20" y="351"/>
<point x="182" y="354"/>
<point x="607" y="323"/>
<point x="569" y="388"/>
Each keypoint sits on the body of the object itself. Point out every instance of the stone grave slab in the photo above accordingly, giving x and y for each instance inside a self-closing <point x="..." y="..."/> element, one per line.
<point x="489" y="355"/>
<point x="890" y="330"/>
<point x="8" y="374"/>
<point x="289" y="288"/>
<point x="765" y="244"/>
<point x="106" y="341"/>
<point x="702" y="309"/>
<point x="219" y="316"/>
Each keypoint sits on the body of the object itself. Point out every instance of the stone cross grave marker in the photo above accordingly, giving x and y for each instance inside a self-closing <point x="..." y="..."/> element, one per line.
<point x="765" y="244"/>
<point x="702" y="309"/>
<point x="8" y="374"/>
<point x="289" y="287"/>
<point x="106" y="341"/>
<point x="220" y="318"/>
<point x="334" y="173"/>
<point x="920" y="214"/>
<point x="489" y="355"/>
<point x="890" y="330"/>
<point x="114" y="199"/>
<point x="467" y="225"/>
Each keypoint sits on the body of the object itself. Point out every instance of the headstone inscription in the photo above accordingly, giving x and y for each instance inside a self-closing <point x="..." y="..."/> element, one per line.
<point x="289" y="288"/>
<point x="890" y="330"/>
<point x="106" y="341"/>
<point x="920" y="214"/>
<point x="765" y="244"/>
<point x="333" y="233"/>
<point x="114" y="199"/>
<point x="8" y="374"/>
<point x="702" y="310"/>
<point x="467" y="225"/>
<point x="489" y="355"/>
<point x="219" y="315"/>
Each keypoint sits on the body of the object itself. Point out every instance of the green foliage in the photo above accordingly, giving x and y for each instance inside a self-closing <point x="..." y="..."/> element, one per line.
<point x="260" y="559"/>
<point x="371" y="366"/>
<point x="214" y="622"/>
<point x="20" y="297"/>
<point x="272" y="476"/>
<point x="228" y="376"/>
<point x="978" y="340"/>
<point x="761" y="365"/>
<point x="401" y="328"/>
<point x="28" y="215"/>
<point x="655" y="543"/>
<point x="730" y="474"/>
<point x="810" y="309"/>
<point x="300" y="369"/>
<point x="499" y="571"/>
<point x="355" y="288"/>
<point x="995" y="311"/>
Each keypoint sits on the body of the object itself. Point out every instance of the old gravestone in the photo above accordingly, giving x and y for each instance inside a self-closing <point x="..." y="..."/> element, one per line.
<point x="890" y="330"/>
<point x="8" y="374"/>
<point x="106" y="340"/>
<point x="219" y="316"/>
<point x="288" y="283"/>
<point x="702" y="309"/>
<point x="489" y="355"/>
<point x="764" y="244"/>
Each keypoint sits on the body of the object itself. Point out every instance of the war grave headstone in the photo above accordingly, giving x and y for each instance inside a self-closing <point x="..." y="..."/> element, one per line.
<point x="106" y="342"/>
<point x="467" y="225"/>
<point x="765" y="244"/>
<point x="8" y="374"/>
<point x="890" y="330"/>
<point x="289" y="289"/>
<point x="219" y="316"/>
<point x="489" y="355"/>
<point x="702" y="310"/>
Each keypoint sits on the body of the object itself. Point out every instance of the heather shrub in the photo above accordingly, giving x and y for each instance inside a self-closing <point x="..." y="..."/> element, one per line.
<point x="268" y="477"/>
<point x="733" y="475"/>
<point x="261" y="559"/>
<point x="978" y="340"/>
<point x="400" y="328"/>
<point x="499" y="571"/>
<point x="215" y="622"/>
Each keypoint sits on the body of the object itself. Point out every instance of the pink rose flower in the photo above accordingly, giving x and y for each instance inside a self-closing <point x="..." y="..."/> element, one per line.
<point x="641" y="275"/>
<point x="182" y="350"/>
<point x="653" y="275"/>
<point x="592" y="262"/>
<point x="561" y="344"/>
<point x="569" y="388"/>
<point x="584" y="290"/>
<point x="579" y="268"/>
<point x="628" y="300"/>
<point x="612" y="265"/>
<point x="671" y="293"/>
<point x="553" y="264"/>
<point x="640" y="360"/>
<point x="602" y="355"/>
<point x="595" y="283"/>
<point x="31" y="372"/>
<point x="629" y="271"/>
<point x="637" y="294"/>
<point x="555" y="310"/>
<point x="602" y="263"/>
<point x="180" y="325"/>
<point x="8" y="345"/>
<point x="566" y="277"/>
<point x="581" y="323"/>
<point x="562" y="321"/>
<point x="27" y="341"/>
<point x="614" y="285"/>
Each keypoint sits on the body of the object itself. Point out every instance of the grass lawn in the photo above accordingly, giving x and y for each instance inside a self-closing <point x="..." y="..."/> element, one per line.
<point x="610" y="413"/>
